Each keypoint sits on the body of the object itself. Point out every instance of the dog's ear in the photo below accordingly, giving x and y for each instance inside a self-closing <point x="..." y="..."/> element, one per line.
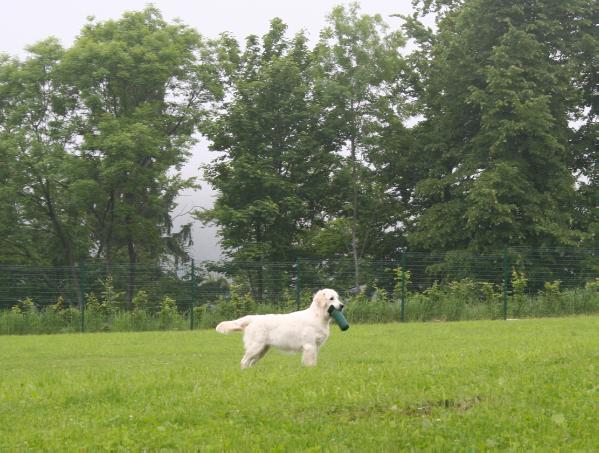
<point x="321" y="299"/>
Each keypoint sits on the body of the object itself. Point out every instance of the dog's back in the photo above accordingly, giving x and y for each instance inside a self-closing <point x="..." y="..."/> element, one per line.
<point x="271" y="321"/>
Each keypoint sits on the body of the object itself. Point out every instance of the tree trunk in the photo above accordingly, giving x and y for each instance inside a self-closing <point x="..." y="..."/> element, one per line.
<point x="62" y="236"/>
<point x="132" y="270"/>
<point x="129" y="200"/>
<point x="354" y="227"/>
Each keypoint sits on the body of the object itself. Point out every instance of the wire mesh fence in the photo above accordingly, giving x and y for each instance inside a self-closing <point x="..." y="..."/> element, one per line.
<point x="514" y="283"/>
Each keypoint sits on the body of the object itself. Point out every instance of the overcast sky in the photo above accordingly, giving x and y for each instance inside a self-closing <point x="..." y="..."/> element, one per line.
<point x="24" y="22"/>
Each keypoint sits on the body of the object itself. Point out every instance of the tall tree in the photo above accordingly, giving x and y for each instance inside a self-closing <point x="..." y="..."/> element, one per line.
<point x="361" y="74"/>
<point x="38" y="139"/>
<point x="497" y="96"/>
<point x="274" y="176"/>
<point x="40" y="185"/>
<point x="144" y="85"/>
<point x="583" y="53"/>
<point x="15" y="243"/>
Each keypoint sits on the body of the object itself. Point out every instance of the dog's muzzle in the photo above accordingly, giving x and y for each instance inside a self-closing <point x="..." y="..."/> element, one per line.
<point x="333" y="307"/>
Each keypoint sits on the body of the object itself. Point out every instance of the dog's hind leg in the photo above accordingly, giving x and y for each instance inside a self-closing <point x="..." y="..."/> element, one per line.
<point x="309" y="353"/>
<point x="253" y="353"/>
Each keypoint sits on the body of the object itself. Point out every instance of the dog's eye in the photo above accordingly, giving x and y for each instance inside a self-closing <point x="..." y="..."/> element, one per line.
<point x="332" y="298"/>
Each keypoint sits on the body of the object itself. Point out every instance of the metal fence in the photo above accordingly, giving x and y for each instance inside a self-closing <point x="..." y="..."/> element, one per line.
<point x="515" y="282"/>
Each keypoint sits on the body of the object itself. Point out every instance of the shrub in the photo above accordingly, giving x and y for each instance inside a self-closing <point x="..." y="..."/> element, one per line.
<point x="25" y="306"/>
<point x="140" y="300"/>
<point x="403" y="281"/>
<point x="111" y="298"/>
<point x="592" y="285"/>
<point x="168" y="312"/>
<point x="518" y="306"/>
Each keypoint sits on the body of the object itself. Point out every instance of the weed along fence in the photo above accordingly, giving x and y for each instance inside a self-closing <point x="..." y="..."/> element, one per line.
<point x="96" y="298"/>
<point x="514" y="283"/>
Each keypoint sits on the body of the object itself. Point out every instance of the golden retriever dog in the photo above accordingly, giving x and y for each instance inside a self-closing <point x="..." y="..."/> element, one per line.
<point x="301" y="331"/>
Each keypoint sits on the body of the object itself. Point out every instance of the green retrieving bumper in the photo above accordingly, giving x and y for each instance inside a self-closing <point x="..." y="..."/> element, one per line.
<point x="339" y="318"/>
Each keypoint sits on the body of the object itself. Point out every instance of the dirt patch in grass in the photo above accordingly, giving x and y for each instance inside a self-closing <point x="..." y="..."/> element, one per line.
<point x="422" y="409"/>
<point x="426" y="408"/>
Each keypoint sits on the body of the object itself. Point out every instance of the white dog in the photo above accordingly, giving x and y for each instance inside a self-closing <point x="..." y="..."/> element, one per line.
<point x="304" y="331"/>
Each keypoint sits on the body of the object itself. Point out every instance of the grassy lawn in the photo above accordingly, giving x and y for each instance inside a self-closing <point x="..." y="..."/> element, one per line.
<point x="465" y="385"/>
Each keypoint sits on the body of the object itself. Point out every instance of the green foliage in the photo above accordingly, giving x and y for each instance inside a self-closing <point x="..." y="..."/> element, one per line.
<point x="140" y="300"/>
<point x="403" y="280"/>
<point x="360" y="69"/>
<point x="91" y="302"/>
<point x="95" y="134"/>
<point x="167" y="312"/>
<point x="519" y="283"/>
<point x="468" y="299"/>
<point x="497" y="95"/>
<point x="519" y="287"/>
<point x="25" y="306"/>
<point x="63" y="314"/>
<point x="464" y="299"/>
<point x="59" y="305"/>
<point x="111" y="299"/>
<point x="38" y="122"/>
<point x="273" y="178"/>
<point x="593" y="285"/>
<point x="241" y="300"/>
<point x="552" y="288"/>
<point x="143" y="83"/>
<point x="320" y="153"/>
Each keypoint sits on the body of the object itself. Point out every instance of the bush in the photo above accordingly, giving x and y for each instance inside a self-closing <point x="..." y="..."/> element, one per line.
<point x="168" y="313"/>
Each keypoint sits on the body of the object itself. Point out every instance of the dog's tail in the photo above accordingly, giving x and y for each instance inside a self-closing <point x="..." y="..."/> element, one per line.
<point x="237" y="325"/>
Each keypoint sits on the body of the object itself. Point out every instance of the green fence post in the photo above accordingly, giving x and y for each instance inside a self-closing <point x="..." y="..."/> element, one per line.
<point x="192" y="296"/>
<point x="404" y="264"/>
<point x="298" y="283"/>
<point x="82" y="295"/>
<point x="506" y="280"/>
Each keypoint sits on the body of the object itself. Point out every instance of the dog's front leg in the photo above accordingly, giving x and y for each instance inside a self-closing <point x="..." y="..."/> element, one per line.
<point x="309" y="353"/>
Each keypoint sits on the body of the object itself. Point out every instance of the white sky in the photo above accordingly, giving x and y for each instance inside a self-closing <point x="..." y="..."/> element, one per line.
<point x="24" y="22"/>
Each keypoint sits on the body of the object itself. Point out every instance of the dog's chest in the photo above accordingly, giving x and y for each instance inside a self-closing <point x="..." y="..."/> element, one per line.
<point x="321" y="337"/>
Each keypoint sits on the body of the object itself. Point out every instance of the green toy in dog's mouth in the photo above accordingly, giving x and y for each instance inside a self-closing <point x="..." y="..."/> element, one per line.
<point x="339" y="318"/>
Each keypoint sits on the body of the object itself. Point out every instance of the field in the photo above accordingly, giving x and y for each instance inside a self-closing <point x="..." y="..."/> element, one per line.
<point x="528" y="384"/>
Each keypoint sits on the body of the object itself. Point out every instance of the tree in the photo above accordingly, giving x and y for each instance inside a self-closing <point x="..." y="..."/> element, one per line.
<point x="582" y="52"/>
<point x="40" y="181"/>
<point x="274" y="175"/>
<point x="497" y="96"/>
<point x="39" y="131"/>
<point x="144" y="85"/>
<point x="16" y="246"/>
<point x="361" y="73"/>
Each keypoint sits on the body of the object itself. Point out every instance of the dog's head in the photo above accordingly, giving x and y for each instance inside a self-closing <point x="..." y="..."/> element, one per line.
<point x="324" y="298"/>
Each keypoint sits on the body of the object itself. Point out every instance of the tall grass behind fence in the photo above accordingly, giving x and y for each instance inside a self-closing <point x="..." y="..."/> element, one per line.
<point x="513" y="283"/>
<point x="95" y="298"/>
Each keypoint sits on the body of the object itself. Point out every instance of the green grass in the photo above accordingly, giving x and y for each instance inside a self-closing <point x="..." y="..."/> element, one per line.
<point x="529" y="384"/>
